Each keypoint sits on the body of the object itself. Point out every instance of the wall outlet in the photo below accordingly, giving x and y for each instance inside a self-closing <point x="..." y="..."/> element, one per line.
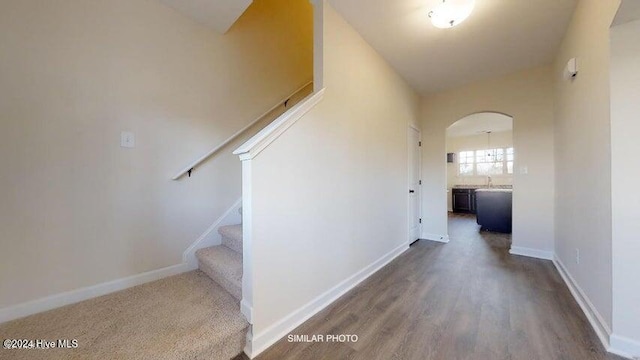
<point x="577" y="256"/>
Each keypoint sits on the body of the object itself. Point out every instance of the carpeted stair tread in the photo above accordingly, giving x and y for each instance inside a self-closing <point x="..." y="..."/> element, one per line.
<point x="224" y="266"/>
<point x="231" y="231"/>
<point x="186" y="316"/>
<point x="232" y="237"/>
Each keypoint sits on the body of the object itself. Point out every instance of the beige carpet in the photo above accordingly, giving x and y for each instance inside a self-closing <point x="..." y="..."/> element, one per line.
<point x="186" y="316"/>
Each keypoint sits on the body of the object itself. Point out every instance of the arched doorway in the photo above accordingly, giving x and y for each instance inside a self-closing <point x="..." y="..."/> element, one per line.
<point x="480" y="167"/>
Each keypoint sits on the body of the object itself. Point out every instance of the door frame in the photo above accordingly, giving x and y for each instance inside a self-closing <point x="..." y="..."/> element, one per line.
<point x="418" y="195"/>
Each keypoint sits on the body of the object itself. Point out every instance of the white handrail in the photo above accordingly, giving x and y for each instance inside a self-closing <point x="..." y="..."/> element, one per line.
<point x="204" y="157"/>
<point x="252" y="147"/>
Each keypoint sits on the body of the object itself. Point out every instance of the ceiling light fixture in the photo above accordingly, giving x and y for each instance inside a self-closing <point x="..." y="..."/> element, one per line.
<point x="450" y="13"/>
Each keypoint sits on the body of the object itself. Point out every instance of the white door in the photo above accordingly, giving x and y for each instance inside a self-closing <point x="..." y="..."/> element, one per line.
<point x="414" y="184"/>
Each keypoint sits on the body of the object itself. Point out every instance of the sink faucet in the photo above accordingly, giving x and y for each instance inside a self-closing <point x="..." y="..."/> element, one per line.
<point x="489" y="182"/>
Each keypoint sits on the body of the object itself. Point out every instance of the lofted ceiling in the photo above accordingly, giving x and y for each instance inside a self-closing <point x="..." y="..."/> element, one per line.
<point x="500" y="37"/>
<point x="480" y="123"/>
<point x="629" y="11"/>
<point x="218" y="15"/>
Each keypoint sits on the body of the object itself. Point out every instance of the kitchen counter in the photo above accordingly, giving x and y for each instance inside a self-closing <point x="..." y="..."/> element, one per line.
<point x="474" y="187"/>
<point x="494" y="190"/>
<point x="463" y="197"/>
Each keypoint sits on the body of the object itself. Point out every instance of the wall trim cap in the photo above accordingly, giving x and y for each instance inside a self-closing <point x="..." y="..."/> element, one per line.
<point x="252" y="147"/>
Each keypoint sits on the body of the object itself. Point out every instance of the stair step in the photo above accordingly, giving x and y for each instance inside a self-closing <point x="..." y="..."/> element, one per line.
<point x="183" y="317"/>
<point x="224" y="266"/>
<point x="232" y="237"/>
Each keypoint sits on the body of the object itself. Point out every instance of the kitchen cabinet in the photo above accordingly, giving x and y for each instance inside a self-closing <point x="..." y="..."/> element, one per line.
<point x="473" y="201"/>
<point x="464" y="200"/>
<point x="494" y="209"/>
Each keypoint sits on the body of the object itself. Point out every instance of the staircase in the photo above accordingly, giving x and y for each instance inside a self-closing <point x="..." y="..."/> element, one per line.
<point x="182" y="317"/>
<point x="192" y="316"/>
<point x="223" y="263"/>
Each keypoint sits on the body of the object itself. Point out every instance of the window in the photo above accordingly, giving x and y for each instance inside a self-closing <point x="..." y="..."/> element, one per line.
<point x="466" y="163"/>
<point x="510" y="161"/>
<point x="486" y="162"/>
<point x="490" y="162"/>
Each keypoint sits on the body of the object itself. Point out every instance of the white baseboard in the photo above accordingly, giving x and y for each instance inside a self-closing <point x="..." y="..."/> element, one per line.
<point x="595" y="319"/>
<point x="435" y="237"/>
<point x="74" y="296"/>
<point x="211" y="237"/>
<point x="624" y="347"/>
<point x="275" y="332"/>
<point x="529" y="252"/>
<point x="247" y="311"/>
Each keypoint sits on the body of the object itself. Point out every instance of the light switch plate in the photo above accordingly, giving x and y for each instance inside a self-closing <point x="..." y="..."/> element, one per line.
<point x="524" y="170"/>
<point x="127" y="139"/>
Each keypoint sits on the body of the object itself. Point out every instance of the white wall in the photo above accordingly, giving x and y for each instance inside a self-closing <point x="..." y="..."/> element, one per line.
<point x="625" y="176"/>
<point x="583" y="154"/>
<point x="527" y="97"/>
<point x="329" y="196"/>
<point x="75" y="208"/>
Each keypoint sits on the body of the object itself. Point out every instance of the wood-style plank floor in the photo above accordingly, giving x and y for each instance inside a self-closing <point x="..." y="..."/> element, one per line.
<point x="468" y="299"/>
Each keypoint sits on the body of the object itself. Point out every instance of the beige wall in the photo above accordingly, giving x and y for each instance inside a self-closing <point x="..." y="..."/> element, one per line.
<point x="75" y="208"/>
<point x="527" y="97"/>
<point x="583" y="153"/>
<point x="625" y="176"/>
<point x="329" y="196"/>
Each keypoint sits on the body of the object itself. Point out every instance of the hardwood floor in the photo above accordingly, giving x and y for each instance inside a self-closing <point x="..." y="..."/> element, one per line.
<point x="468" y="299"/>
